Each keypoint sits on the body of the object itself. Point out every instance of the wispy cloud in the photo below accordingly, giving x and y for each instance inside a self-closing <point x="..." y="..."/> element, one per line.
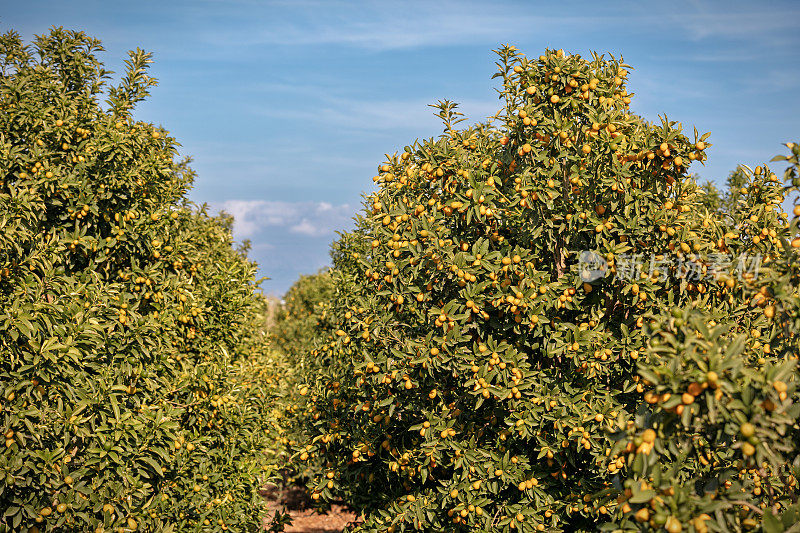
<point x="387" y="115"/>
<point x="380" y="26"/>
<point x="384" y="26"/>
<point x="707" y="21"/>
<point x="728" y="56"/>
<point x="775" y="80"/>
<point x="310" y="219"/>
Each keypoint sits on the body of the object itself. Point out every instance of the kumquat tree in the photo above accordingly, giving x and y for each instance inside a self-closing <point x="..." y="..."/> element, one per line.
<point x="304" y="310"/>
<point x="138" y="392"/>
<point x="541" y="323"/>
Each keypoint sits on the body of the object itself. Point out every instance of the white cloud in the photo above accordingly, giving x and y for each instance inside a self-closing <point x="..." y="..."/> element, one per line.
<point x="312" y="219"/>
<point x="775" y="80"/>
<point x="381" y="26"/>
<point x="386" y="115"/>
<point x="305" y="227"/>
<point x="741" y="20"/>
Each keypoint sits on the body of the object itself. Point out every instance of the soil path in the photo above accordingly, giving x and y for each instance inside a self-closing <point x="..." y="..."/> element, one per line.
<point x="307" y="521"/>
<point x="304" y="518"/>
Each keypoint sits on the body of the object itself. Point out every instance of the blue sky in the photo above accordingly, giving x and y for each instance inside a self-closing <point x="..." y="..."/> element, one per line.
<point x="288" y="107"/>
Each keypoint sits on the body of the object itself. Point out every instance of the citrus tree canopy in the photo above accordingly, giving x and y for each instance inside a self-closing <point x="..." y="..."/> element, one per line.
<point x="542" y="323"/>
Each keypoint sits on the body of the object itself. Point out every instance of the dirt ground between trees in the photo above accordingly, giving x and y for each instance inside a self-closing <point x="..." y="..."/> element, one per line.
<point x="306" y="519"/>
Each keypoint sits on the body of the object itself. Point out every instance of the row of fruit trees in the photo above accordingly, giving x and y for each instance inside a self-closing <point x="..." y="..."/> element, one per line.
<point x="541" y="322"/>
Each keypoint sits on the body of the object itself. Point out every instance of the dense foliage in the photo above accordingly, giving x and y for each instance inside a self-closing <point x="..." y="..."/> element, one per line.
<point x="543" y="323"/>
<point x="137" y="388"/>
<point x="302" y="311"/>
<point x="299" y="315"/>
